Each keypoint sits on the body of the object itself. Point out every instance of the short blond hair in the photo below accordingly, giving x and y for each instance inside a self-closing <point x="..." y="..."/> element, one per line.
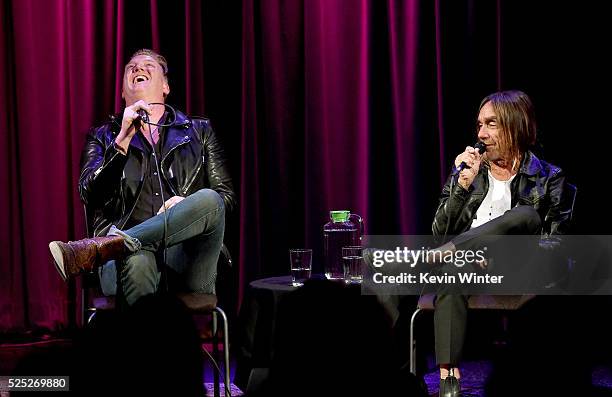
<point x="158" y="58"/>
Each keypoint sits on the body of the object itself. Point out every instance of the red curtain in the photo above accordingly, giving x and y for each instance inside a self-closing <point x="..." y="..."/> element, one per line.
<point x="61" y="64"/>
<point x="329" y="122"/>
<point x="54" y="88"/>
<point x="321" y="105"/>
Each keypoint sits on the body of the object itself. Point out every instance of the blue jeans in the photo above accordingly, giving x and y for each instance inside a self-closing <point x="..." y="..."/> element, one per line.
<point x="195" y="237"/>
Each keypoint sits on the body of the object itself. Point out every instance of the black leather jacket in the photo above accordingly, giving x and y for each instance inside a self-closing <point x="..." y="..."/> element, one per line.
<point x="110" y="183"/>
<point x="538" y="184"/>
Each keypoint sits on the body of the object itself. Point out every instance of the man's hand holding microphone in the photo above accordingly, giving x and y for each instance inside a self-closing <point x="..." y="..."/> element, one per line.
<point x="468" y="164"/>
<point x="130" y="123"/>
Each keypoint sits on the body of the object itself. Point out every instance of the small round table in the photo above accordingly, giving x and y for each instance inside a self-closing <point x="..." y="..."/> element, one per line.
<point x="258" y="324"/>
<point x="278" y="284"/>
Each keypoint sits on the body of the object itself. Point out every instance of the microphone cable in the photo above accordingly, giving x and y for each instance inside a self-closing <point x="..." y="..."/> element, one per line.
<point x="145" y="117"/>
<point x="145" y="120"/>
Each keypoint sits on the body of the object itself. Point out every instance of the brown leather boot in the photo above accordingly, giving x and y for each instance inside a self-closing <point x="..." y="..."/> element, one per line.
<point x="85" y="255"/>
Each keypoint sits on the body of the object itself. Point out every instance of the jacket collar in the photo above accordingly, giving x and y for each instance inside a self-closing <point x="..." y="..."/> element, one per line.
<point x="181" y="121"/>
<point x="175" y="134"/>
<point x="530" y="165"/>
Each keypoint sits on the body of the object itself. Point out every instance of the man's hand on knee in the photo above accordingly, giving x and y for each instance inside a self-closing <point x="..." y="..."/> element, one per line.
<point x="171" y="202"/>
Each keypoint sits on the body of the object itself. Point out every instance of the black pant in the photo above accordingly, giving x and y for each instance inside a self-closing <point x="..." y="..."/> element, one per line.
<point x="450" y="313"/>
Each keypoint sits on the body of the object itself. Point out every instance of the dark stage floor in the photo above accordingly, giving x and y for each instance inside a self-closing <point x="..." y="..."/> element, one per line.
<point x="19" y="354"/>
<point x="475" y="374"/>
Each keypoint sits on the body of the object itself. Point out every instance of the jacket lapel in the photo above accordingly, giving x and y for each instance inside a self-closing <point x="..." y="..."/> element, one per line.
<point x="526" y="179"/>
<point x="176" y="135"/>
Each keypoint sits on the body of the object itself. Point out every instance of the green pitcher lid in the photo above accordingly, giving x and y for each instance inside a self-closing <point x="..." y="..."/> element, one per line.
<point x="339" y="216"/>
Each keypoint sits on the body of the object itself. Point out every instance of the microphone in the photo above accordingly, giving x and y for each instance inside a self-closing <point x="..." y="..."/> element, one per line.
<point x="480" y="147"/>
<point x="142" y="115"/>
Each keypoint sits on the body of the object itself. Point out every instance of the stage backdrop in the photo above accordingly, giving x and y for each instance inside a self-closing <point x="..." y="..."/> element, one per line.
<point x="321" y="105"/>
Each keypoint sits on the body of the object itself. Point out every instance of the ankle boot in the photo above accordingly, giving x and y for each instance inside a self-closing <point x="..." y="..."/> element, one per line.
<point x="75" y="257"/>
<point x="450" y="387"/>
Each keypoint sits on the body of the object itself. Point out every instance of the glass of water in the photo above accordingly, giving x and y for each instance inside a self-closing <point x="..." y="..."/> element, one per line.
<point x="352" y="261"/>
<point x="300" y="260"/>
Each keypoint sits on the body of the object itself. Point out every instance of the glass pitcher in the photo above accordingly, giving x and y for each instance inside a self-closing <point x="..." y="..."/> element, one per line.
<point x="344" y="229"/>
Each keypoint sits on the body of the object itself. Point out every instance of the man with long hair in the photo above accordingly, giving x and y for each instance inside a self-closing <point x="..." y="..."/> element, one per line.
<point x="505" y="190"/>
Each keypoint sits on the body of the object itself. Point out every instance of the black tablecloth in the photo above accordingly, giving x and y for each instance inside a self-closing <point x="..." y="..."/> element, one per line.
<point x="258" y="323"/>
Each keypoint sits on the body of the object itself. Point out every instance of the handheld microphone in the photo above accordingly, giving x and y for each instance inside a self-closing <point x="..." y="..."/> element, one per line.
<point x="142" y="114"/>
<point x="143" y="117"/>
<point x="480" y="147"/>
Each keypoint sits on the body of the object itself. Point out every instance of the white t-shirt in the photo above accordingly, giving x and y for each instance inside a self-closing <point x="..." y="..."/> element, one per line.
<point x="497" y="201"/>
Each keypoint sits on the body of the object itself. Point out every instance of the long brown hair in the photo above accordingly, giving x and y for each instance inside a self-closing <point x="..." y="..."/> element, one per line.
<point x="516" y="121"/>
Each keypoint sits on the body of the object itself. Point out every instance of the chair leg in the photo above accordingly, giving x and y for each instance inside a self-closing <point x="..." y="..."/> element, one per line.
<point x="91" y="316"/>
<point x="215" y="354"/>
<point x="226" y="352"/>
<point x="413" y="342"/>
<point x="84" y="320"/>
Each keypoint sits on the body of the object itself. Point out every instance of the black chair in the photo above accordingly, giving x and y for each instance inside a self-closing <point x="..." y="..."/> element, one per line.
<point x="94" y="301"/>
<point x="501" y="303"/>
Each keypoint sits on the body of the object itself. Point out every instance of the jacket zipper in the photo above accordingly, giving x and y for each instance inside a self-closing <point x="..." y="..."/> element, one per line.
<point x="104" y="165"/>
<point x="195" y="174"/>
<point x="161" y="164"/>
